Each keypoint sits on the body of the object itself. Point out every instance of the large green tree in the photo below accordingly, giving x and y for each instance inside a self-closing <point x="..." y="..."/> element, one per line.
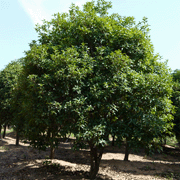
<point x="94" y="74"/>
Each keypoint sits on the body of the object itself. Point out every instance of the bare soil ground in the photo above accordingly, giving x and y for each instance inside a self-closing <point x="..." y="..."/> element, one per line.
<point x="24" y="162"/>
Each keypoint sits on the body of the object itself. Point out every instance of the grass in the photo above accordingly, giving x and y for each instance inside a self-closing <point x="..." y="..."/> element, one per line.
<point x="170" y="175"/>
<point x="7" y="131"/>
<point x="4" y="148"/>
<point x="172" y="141"/>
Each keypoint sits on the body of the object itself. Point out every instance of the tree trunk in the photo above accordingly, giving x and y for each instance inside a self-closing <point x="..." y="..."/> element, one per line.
<point x="17" y="137"/>
<point x="4" y="133"/>
<point x="126" y="151"/>
<point x="52" y="153"/>
<point x="113" y="136"/>
<point x="95" y="161"/>
<point x="165" y="141"/>
<point x="0" y="132"/>
<point x="178" y="138"/>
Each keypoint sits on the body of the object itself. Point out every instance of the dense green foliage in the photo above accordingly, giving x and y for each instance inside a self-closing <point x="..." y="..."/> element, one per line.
<point x="176" y="102"/>
<point x="8" y="79"/>
<point x="93" y="74"/>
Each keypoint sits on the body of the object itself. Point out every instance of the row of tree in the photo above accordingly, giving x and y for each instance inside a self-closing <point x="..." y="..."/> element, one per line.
<point x="93" y="75"/>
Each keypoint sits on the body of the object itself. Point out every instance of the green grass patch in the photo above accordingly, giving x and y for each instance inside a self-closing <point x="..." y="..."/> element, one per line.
<point x="172" y="141"/>
<point x="4" y="148"/>
<point x="7" y="131"/>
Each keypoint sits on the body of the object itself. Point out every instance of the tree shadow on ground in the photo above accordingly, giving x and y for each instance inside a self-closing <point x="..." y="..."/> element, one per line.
<point x="139" y="167"/>
<point x="51" y="172"/>
<point x="24" y="160"/>
<point x="172" y="153"/>
<point x="168" y="153"/>
<point x="163" y="164"/>
<point x="2" y="143"/>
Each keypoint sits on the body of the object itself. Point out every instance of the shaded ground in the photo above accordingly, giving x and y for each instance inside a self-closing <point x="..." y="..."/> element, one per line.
<point x="24" y="162"/>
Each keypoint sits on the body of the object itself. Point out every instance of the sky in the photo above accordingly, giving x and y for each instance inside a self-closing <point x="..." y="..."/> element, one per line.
<point x="19" y="17"/>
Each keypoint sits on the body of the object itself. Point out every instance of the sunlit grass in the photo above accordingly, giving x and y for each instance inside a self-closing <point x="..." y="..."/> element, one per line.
<point x="172" y="141"/>
<point x="7" y="131"/>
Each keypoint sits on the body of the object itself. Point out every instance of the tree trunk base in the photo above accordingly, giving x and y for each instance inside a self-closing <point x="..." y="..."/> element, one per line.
<point x="4" y="133"/>
<point x="17" y="138"/>
<point x="126" y="152"/>
<point x="95" y="161"/>
<point x="52" y="153"/>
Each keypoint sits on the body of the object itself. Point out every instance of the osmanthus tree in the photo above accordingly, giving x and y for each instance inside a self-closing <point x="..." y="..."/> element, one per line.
<point x="176" y="102"/>
<point x="94" y="74"/>
<point x="8" y="79"/>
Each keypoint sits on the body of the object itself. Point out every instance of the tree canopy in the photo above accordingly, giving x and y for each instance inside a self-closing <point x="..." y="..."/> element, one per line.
<point x="94" y="74"/>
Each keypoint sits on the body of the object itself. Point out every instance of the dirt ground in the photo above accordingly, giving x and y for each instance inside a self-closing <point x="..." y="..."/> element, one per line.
<point x="23" y="162"/>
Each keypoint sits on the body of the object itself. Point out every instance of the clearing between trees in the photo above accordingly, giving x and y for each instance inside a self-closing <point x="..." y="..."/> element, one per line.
<point x="24" y="162"/>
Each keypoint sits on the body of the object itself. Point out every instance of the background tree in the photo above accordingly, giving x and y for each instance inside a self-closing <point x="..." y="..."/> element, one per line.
<point x="8" y="79"/>
<point x="94" y="74"/>
<point x="176" y="102"/>
<point x="148" y="109"/>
